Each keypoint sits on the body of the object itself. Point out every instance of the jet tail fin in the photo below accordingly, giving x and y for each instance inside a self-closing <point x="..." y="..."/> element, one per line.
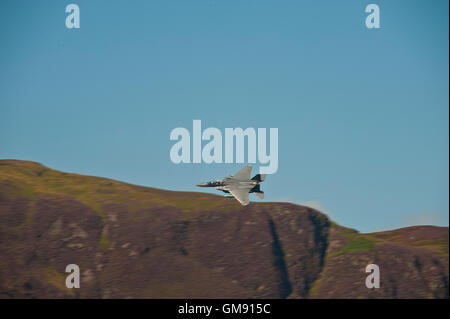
<point x="257" y="191"/>
<point x="259" y="177"/>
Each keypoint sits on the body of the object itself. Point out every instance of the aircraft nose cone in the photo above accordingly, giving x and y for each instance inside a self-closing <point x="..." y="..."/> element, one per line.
<point x="203" y="184"/>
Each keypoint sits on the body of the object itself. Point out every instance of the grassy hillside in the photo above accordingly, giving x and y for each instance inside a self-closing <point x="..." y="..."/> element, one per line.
<point x="138" y="242"/>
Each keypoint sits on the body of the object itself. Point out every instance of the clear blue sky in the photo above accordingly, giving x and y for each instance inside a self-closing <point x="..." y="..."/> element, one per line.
<point x="362" y="114"/>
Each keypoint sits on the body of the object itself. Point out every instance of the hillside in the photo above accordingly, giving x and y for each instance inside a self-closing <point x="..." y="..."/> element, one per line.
<point x="139" y="242"/>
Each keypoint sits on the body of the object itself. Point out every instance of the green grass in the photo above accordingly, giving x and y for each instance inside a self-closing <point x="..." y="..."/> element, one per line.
<point x="58" y="280"/>
<point x="104" y="242"/>
<point x="315" y="287"/>
<point x="357" y="242"/>
<point x="440" y="245"/>
<point x="32" y="178"/>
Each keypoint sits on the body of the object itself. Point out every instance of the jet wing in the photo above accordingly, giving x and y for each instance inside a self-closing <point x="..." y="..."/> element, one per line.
<point x="243" y="174"/>
<point x="241" y="194"/>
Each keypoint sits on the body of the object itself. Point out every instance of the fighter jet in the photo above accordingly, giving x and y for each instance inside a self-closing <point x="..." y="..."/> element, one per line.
<point x="239" y="185"/>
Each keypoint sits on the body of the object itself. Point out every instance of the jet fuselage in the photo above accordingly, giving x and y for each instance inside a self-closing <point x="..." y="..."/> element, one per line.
<point x="239" y="185"/>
